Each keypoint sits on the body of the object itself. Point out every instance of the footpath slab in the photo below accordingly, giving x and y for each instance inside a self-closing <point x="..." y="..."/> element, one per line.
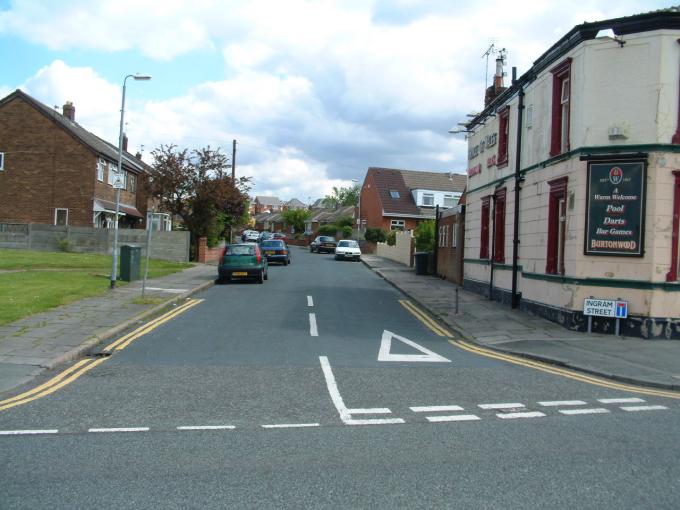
<point x="40" y="342"/>
<point x="654" y="363"/>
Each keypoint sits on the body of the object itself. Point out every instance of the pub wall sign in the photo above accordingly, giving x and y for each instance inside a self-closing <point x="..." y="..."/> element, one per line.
<point x="615" y="208"/>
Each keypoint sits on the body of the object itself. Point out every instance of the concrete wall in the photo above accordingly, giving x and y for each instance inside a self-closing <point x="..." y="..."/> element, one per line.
<point x="401" y="252"/>
<point x="164" y="245"/>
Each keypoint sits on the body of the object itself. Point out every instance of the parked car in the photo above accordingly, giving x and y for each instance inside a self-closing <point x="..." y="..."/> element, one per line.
<point x="276" y="250"/>
<point x="325" y="244"/>
<point x="264" y="236"/>
<point x="348" y="249"/>
<point x="250" y="236"/>
<point x="279" y="235"/>
<point x="242" y="261"/>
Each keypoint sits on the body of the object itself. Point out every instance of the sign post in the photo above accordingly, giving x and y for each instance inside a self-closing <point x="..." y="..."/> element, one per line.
<point x="605" y="308"/>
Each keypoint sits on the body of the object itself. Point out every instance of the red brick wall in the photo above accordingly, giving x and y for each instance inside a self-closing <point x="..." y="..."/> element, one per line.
<point x="45" y="168"/>
<point x="208" y="255"/>
<point x="371" y="208"/>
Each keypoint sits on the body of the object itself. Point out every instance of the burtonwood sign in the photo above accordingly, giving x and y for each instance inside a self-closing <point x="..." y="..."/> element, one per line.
<point x="615" y="208"/>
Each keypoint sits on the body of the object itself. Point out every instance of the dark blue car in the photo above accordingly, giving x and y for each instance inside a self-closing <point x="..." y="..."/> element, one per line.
<point x="276" y="251"/>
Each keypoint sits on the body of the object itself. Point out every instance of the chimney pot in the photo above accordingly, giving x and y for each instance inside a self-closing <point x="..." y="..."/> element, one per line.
<point x="69" y="111"/>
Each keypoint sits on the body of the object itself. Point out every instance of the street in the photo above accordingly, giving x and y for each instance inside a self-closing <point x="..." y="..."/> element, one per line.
<point x="325" y="387"/>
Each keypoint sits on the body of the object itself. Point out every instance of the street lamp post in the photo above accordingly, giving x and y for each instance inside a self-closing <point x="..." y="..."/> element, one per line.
<point x="114" y="261"/>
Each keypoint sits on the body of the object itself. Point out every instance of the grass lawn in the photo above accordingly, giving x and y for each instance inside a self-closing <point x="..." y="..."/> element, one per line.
<point x="49" y="279"/>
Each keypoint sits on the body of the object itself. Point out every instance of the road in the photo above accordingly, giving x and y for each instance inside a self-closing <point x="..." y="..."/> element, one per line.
<point x="323" y="389"/>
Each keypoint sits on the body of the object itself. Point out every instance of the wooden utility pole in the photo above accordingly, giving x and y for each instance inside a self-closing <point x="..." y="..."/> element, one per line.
<point x="233" y="162"/>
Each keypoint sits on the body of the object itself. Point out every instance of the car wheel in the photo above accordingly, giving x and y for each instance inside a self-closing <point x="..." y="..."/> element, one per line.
<point x="266" y="274"/>
<point x="289" y="261"/>
<point x="260" y="277"/>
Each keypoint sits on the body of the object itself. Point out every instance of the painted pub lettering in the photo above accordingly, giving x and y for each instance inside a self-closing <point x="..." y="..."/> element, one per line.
<point x="615" y="208"/>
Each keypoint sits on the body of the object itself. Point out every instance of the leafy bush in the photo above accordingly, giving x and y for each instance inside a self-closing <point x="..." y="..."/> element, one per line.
<point x="345" y="221"/>
<point x="392" y="238"/>
<point x="346" y="231"/>
<point x="425" y="236"/>
<point x="328" y="230"/>
<point x="65" y="245"/>
<point x="375" y="235"/>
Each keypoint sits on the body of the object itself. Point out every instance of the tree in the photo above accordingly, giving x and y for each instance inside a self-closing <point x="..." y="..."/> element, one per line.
<point x="197" y="187"/>
<point x="425" y="235"/>
<point x="296" y="218"/>
<point x="343" y="196"/>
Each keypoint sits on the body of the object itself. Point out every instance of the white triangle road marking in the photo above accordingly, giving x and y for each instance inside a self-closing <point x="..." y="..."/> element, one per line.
<point x="385" y="355"/>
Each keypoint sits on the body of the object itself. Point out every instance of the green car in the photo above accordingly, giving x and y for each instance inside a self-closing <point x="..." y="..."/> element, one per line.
<point x="242" y="261"/>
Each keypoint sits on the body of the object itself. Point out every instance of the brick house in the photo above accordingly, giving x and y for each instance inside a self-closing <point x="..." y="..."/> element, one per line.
<point x="394" y="199"/>
<point x="263" y="204"/>
<point x="53" y="171"/>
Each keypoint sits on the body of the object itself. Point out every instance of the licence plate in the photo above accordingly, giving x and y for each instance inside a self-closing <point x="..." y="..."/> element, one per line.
<point x="269" y="253"/>
<point x="240" y="273"/>
<point x="327" y="245"/>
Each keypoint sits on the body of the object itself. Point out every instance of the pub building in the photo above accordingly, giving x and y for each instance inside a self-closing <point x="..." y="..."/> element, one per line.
<point x="574" y="179"/>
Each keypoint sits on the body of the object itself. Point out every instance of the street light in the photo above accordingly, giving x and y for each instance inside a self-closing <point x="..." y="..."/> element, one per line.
<point x="114" y="262"/>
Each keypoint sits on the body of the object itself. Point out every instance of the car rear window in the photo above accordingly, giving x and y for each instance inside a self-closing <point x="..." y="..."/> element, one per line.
<point x="348" y="244"/>
<point x="325" y="239"/>
<point x="272" y="244"/>
<point x="240" y="249"/>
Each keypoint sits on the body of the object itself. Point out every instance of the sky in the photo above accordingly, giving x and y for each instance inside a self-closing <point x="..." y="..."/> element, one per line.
<point x="314" y="92"/>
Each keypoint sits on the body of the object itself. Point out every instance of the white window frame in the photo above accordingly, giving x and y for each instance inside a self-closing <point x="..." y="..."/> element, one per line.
<point x="451" y="198"/>
<point x="397" y="225"/>
<point x="428" y="196"/>
<point x="133" y="182"/>
<point x="394" y="194"/>
<point x="454" y="235"/>
<point x="564" y="105"/>
<point x="56" y="213"/>
<point x="113" y="170"/>
<point x="2" y="161"/>
<point x="530" y="116"/>
<point x="101" y="168"/>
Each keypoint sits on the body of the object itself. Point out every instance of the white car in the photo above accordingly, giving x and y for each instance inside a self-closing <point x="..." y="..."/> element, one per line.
<point x="251" y="236"/>
<point x="348" y="249"/>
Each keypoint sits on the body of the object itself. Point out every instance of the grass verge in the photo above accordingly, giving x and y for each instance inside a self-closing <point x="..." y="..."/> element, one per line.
<point x="49" y="279"/>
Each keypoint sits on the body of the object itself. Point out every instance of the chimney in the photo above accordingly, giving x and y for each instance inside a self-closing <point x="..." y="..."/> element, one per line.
<point x="69" y="111"/>
<point x="125" y="142"/>
<point x="497" y="88"/>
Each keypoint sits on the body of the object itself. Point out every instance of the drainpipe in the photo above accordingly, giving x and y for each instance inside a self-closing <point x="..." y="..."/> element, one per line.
<point x="493" y="244"/>
<point x="436" y="239"/>
<point x="518" y="182"/>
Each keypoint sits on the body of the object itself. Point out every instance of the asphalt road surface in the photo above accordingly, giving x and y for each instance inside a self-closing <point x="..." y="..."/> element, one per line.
<point x="321" y="389"/>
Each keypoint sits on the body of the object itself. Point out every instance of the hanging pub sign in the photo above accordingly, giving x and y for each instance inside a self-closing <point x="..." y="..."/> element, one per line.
<point x="615" y="208"/>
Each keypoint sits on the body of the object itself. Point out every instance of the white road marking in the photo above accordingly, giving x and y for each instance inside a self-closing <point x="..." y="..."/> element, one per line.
<point x="500" y="406"/>
<point x="453" y="417"/>
<point x="531" y="414"/>
<point x="435" y="409"/>
<point x="370" y="410"/>
<point x="336" y="398"/>
<point x="376" y="421"/>
<point x="27" y="432"/>
<point x="643" y="408"/>
<point x="310" y="301"/>
<point x="620" y="400"/>
<point x="594" y="410"/>
<point x="385" y="355"/>
<point x="560" y="403"/>
<point x="312" y="325"/>
<point x="207" y="427"/>
<point x="290" y="425"/>
<point x="120" y="429"/>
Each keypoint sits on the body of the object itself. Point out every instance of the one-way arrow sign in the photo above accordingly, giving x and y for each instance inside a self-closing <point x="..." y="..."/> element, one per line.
<point x="386" y="355"/>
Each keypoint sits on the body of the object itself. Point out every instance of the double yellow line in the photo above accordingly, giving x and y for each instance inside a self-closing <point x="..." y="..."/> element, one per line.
<point x="74" y="372"/>
<point x="536" y="365"/>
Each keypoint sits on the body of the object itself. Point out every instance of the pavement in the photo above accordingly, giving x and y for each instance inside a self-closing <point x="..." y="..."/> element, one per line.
<point x="41" y="342"/>
<point x="654" y="363"/>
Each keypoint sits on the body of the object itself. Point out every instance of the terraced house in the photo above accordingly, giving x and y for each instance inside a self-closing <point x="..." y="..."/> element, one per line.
<point x="574" y="180"/>
<point x="55" y="172"/>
